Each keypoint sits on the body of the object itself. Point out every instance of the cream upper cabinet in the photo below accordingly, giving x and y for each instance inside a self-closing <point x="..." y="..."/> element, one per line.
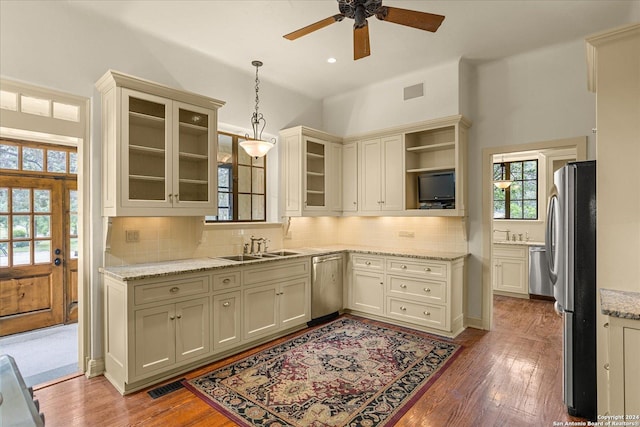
<point x="381" y="180"/>
<point x="310" y="172"/>
<point x="350" y="177"/>
<point x="159" y="148"/>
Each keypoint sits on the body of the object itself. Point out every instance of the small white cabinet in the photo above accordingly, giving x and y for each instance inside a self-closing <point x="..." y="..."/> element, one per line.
<point x="624" y="370"/>
<point x="381" y="180"/>
<point x="159" y="149"/>
<point x="510" y="270"/>
<point x="311" y="168"/>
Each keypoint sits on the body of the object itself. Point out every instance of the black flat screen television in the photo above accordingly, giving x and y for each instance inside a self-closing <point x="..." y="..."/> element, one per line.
<point x="437" y="187"/>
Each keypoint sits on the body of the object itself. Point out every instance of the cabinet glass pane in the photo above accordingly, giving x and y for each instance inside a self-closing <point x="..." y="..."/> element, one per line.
<point x="315" y="174"/>
<point x="193" y="149"/>
<point x="147" y="155"/>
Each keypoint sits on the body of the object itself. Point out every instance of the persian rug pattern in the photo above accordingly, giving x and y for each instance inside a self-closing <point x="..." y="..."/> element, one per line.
<point x="346" y="373"/>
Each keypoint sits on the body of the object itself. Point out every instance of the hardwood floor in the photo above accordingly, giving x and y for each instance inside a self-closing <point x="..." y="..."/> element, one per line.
<point x="509" y="376"/>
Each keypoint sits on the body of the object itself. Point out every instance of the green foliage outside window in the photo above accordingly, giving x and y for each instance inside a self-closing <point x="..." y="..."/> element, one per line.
<point x="520" y="200"/>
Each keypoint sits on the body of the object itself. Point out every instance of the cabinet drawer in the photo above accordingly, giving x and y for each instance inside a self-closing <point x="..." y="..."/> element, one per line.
<point x="429" y="315"/>
<point x="510" y="251"/>
<point x="367" y="262"/>
<point x="152" y="292"/>
<point x="275" y="271"/>
<point x="424" y="290"/>
<point x="430" y="269"/>
<point x="226" y="280"/>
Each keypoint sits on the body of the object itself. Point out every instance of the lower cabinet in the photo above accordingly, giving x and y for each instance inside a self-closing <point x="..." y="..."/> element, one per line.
<point x="424" y="294"/>
<point x="510" y="270"/>
<point x="624" y="370"/>
<point x="226" y="321"/>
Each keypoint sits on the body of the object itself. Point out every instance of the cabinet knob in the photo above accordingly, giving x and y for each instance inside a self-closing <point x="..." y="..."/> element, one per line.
<point x="368" y="263"/>
<point x="355" y="203"/>
<point x="176" y="197"/>
<point x="404" y="267"/>
<point x="606" y="325"/>
<point x="427" y="313"/>
<point x="382" y="283"/>
<point x="427" y="290"/>
<point x="403" y="308"/>
<point x="179" y="316"/>
<point x="606" y="366"/>
<point x="227" y="280"/>
<point x="427" y="269"/>
<point x="226" y="304"/>
<point x="403" y="286"/>
<point x="172" y="317"/>
<point x="174" y="289"/>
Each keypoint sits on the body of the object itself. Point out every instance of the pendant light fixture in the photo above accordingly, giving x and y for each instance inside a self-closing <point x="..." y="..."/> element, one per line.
<point x="502" y="183"/>
<point x="256" y="147"/>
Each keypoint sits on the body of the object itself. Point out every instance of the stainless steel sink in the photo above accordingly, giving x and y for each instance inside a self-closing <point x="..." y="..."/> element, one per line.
<point x="281" y="253"/>
<point x="239" y="257"/>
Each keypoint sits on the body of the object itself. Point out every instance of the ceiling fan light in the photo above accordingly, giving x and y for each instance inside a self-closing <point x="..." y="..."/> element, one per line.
<point x="256" y="147"/>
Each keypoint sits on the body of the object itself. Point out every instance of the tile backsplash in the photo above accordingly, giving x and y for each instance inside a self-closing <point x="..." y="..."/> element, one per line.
<point x="170" y="238"/>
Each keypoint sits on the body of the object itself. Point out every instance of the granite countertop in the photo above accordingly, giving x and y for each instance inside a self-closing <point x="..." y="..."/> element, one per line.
<point x="518" y="242"/>
<point x="623" y="304"/>
<point x="194" y="265"/>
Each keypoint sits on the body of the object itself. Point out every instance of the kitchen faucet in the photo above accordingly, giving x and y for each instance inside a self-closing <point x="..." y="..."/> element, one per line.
<point x="259" y="241"/>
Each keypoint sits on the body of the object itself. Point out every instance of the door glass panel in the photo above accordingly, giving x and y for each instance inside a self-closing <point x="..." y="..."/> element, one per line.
<point x="56" y="161"/>
<point x="73" y="224"/>
<point x="73" y="247"/>
<point x="32" y="159"/>
<point x="42" y="200"/>
<point x="21" y="226"/>
<point x="4" y="200"/>
<point x="42" y="226"/>
<point x="21" y="253"/>
<point x="4" y="227"/>
<point x="4" y="254"/>
<point x="21" y="200"/>
<point x="73" y="163"/>
<point x="42" y="251"/>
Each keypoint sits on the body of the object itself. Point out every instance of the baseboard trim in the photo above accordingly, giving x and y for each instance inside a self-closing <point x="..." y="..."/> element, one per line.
<point x="95" y="367"/>
<point x="474" y="322"/>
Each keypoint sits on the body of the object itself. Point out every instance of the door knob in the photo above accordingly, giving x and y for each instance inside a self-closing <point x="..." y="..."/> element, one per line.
<point x="58" y="251"/>
<point x="57" y="261"/>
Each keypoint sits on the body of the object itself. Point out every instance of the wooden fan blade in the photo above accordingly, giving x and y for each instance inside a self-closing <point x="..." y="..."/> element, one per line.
<point x="361" y="46"/>
<point x="410" y="18"/>
<point x="314" y="27"/>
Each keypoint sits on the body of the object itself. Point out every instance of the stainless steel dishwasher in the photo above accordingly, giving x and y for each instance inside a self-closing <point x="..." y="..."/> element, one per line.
<point x="326" y="287"/>
<point x="539" y="281"/>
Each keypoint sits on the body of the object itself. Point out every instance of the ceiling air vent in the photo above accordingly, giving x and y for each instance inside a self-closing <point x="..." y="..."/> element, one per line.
<point x="415" y="91"/>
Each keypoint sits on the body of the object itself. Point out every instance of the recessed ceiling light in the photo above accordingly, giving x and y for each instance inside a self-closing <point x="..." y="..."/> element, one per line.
<point x="331" y="60"/>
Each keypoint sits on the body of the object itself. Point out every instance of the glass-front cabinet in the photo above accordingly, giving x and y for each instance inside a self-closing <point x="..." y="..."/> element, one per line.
<point x="159" y="148"/>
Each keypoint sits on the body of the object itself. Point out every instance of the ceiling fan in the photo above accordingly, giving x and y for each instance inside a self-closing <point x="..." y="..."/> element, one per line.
<point x="360" y="10"/>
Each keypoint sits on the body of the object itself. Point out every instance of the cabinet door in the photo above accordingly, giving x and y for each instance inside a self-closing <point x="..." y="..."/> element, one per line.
<point x="193" y="337"/>
<point x="260" y="311"/>
<point x="146" y="150"/>
<point x="350" y="177"/>
<point x="367" y="292"/>
<point x="226" y="320"/>
<point x="294" y="302"/>
<point x="315" y="178"/>
<point x="154" y="336"/>
<point x="393" y="175"/>
<point x="194" y="140"/>
<point x="291" y="174"/>
<point x="510" y="275"/>
<point x="334" y="177"/>
<point x="370" y="175"/>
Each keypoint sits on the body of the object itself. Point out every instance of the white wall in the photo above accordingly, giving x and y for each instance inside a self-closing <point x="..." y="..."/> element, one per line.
<point x="381" y="105"/>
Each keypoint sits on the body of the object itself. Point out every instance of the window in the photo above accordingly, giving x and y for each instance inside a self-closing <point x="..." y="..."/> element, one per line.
<point x="46" y="158"/>
<point x="520" y="200"/>
<point x="241" y="183"/>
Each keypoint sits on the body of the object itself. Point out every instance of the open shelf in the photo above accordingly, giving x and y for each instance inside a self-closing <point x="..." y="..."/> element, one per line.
<point x="147" y="178"/>
<point x="432" y="147"/>
<point x="432" y="169"/>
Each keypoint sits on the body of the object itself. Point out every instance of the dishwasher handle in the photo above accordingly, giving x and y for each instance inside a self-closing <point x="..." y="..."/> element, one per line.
<point x="321" y="259"/>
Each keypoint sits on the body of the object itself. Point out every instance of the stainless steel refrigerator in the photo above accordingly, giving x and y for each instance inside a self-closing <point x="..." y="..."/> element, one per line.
<point x="571" y="250"/>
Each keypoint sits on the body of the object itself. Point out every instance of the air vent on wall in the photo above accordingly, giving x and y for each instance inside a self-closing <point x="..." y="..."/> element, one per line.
<point x="415" y="91"/>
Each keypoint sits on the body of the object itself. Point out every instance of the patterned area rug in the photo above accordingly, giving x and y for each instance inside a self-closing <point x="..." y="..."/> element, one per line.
<point x="346" y="373"/>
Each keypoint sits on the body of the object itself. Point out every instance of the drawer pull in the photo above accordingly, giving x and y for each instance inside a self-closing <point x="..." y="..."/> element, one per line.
<point x="368" y="263"/>
<point x="404" y="267"/>
<point x="427" y="290"/>
<point x="227" y="280"/>
<point x="427" y="313"/>
<point x="226" y="304"/>
<point x="403" y="308"/>
<point x="427" y="269"/>
<point x="606" y="325"/>
<point x="174" y="289"/>
<point x="403" y="286"/>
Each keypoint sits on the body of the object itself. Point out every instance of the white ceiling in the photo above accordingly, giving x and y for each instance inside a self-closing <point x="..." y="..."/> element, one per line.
<point x="239" y="31"/>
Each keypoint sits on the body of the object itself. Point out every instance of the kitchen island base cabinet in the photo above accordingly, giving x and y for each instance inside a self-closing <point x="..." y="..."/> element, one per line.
<point x="421" y="294"/>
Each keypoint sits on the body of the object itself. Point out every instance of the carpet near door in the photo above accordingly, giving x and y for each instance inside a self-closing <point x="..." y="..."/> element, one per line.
<point x="347" y="372"/>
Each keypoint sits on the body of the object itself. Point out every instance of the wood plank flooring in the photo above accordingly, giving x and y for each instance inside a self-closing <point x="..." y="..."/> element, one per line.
<point x="511" y="376"/>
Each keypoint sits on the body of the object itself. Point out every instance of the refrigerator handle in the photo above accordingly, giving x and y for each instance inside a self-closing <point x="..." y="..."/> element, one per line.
<point x="550" y="241"/>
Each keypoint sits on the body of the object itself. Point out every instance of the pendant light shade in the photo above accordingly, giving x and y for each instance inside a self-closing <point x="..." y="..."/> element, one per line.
<point x="256" y="147"/>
